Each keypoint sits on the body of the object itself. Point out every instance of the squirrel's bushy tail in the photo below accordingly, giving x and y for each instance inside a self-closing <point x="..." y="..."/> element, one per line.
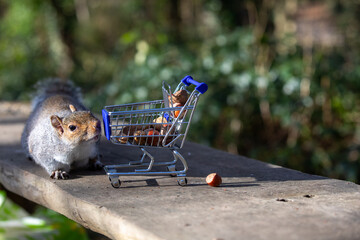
<point x="54" y="86"/>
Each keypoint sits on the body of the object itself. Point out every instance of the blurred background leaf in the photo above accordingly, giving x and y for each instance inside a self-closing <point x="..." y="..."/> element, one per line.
<point x="15" y="223"/>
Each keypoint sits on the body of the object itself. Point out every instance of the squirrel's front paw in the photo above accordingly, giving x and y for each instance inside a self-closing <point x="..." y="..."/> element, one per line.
<point x="59" y="174"/>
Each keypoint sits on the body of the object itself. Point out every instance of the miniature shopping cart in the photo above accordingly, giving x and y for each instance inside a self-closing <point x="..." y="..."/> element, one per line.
<point x="161" y="124"/>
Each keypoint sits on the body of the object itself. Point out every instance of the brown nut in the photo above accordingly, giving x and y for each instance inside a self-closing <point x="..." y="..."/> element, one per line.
<point x="140" y="140"/>
<point x="177" y="113"/>
<point x="143" y="127"/>
<point x="128" y="130"/>
<point x="122" y="140"/>
<point x="124" y="133"/>
<point x="153" y="137"/>
<point x="179" y="97"/>
<point x="160" y="120"/>
<point x="162" y="128"/>
<point x="165" y="130"/>
<point x="213" y="179"/>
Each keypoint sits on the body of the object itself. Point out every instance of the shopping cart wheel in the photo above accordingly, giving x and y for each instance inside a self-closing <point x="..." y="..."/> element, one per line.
<point x="115" y="182"/>
<point x="172" y="168"/>
<point x="182" y="181"/>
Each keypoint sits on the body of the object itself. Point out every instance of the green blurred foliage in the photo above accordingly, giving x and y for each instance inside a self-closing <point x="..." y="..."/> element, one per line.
<point x="45" y="224"/>
<point x="273" y="95"/>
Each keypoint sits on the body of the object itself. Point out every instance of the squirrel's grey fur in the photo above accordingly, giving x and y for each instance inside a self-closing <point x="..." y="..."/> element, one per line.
<point x="46" y="137"/>
<point x="55" y="86"/>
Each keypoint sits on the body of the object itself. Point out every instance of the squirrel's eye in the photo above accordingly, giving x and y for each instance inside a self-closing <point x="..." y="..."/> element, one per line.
<point x="72" y="127"/>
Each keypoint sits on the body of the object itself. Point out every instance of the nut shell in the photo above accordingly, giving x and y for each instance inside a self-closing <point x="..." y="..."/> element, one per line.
<point x="213" y="179"/>
<point x="153" y="137"/>
<point x="124" y="132"/>
<point x="160" y="120"/>
<point x="140" y="140"/>
<point x="177" y="113"/>
<point x="122" y="140"/>
<point x="127" y="133"/>
<point x="180" y="97"/>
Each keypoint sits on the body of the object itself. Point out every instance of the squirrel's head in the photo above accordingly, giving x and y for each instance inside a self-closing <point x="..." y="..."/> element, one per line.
<point x="78" y="126"/>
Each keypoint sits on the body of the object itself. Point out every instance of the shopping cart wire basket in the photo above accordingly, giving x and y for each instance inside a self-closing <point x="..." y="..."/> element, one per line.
<point x="161" y="124"/>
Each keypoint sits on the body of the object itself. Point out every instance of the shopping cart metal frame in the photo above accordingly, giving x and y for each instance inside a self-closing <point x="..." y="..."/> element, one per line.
<point x="119" y="119"/>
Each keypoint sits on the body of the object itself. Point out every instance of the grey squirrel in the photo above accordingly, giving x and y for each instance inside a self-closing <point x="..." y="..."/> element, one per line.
<point x="61" y="133"/>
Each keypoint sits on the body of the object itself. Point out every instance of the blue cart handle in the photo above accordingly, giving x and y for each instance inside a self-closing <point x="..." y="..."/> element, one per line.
<point x="201" y="87"/>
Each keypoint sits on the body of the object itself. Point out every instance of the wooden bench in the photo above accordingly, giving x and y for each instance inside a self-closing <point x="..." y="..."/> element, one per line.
<point x="256" y="200"/>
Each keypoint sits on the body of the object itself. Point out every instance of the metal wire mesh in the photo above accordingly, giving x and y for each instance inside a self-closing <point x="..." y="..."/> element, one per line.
<point x="149" y="124"/>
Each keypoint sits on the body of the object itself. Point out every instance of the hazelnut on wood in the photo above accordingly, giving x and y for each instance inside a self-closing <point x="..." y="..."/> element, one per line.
<point x="214" y="179"/>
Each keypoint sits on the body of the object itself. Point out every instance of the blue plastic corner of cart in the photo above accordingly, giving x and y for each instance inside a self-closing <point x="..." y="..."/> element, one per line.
<point x="201" y="87"/>
<point x="106" y="121"/>
<point x="167" y="117"/>
<point x="186" y="80"/>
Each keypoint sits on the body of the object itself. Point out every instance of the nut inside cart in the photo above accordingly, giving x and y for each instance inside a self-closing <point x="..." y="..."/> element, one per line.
<point x="161" y="124"/>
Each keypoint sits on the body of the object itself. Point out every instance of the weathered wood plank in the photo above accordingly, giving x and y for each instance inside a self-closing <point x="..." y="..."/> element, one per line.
<point x="245" y="206"/>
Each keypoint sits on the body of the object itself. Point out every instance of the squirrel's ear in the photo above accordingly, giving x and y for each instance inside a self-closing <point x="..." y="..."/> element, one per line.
<point x="56" y="122"/>
<point x="72" y="108"/>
